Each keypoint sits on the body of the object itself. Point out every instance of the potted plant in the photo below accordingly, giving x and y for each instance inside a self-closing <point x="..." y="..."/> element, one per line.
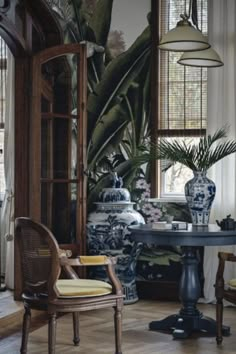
<point x="200" y="190"/>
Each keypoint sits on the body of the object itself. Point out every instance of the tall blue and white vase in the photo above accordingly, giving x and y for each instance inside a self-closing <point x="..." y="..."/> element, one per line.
<point x="200" y="193"/>
<point x="107" y="233"/>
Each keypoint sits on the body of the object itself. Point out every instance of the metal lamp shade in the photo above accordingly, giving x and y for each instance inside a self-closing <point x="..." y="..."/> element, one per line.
<point x="184" y="38"/>
<point x="204" y="58"/>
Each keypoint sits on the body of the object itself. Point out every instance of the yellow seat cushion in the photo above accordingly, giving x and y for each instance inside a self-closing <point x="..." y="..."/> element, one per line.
<point x="93" y="259"/>
<point x="82" y="287"/>
<point x="232" y="283"/>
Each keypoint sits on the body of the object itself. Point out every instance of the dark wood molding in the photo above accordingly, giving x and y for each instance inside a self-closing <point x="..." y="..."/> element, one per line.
<point x="154" y="88"/>
<point x="12" y="37"/>
<point x="46" y="23"/>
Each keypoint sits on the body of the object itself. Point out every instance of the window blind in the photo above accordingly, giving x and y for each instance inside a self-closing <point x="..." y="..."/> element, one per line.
<point x="182" y="90"/>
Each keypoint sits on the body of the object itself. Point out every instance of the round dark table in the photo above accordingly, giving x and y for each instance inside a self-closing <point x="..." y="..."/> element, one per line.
<point x="189" y="318"/>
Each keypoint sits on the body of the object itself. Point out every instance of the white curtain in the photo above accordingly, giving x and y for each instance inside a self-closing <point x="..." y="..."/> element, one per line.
<point x="7" y="217"/>
<point x="222" y="111"/>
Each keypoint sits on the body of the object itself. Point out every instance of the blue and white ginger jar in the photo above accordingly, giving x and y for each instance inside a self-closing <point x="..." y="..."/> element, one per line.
<point x="200" y="192"/>
<point x="107" y="233"/>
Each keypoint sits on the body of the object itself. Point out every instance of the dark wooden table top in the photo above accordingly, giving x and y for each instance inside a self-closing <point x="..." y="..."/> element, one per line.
<point x="210" y="235"/>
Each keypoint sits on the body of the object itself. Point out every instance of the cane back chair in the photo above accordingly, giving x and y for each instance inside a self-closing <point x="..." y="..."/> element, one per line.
<point x="42" y="262"/>
<point x="223" y="291"/>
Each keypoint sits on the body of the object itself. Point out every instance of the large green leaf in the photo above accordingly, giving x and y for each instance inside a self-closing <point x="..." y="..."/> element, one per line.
<point x="101" y="21"/>
<point x="117" y="77"/>
<point x="138" y="108"/>
<point x="105" y="134"/>
<point x="76" y="29"/>
<point x="79" y="19"/>
<point x="145" y="81"/>
<point x="100" y="24"/>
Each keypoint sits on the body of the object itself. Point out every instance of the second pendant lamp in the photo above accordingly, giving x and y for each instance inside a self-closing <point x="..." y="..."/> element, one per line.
<point x="207" y="58"/>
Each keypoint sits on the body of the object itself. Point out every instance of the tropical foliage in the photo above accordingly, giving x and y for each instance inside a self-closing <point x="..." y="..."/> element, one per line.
<point x="197" y="157"/>
<point x="118" y="93"/>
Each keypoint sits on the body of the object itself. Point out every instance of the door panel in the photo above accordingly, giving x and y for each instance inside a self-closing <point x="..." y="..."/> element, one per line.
<point x="58" y="142"/>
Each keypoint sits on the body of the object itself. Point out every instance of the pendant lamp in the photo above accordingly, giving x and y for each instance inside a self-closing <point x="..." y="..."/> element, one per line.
<point x="185" y="37"/>
<point x="208" y="58"/>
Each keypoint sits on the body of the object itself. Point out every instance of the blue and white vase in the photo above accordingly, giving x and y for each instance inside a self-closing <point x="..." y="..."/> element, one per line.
<point x="107" y="233"/>
<point x="200" y="193"/>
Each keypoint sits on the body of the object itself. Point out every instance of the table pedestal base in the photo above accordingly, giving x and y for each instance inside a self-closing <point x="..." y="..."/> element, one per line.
<point x="189" y="319"/>
<point x="183" y="326"/>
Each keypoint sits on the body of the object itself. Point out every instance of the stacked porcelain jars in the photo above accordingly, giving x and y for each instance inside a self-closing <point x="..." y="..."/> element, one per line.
<point x="107" y="233"/>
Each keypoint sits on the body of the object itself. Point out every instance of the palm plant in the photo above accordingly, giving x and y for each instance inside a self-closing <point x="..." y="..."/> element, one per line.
<point x="198" y="157"/>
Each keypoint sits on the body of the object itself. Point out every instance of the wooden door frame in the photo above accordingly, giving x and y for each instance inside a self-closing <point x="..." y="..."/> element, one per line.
<point x="35" y="136"/>
<point x="20" y="42"/>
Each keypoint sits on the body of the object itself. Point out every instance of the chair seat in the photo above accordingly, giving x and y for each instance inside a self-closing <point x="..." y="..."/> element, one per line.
<point x="232" y="284"/>
<point x="82" y="288"/>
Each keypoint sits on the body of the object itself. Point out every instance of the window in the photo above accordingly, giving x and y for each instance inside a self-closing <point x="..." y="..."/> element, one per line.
<point x="182" y="101"/>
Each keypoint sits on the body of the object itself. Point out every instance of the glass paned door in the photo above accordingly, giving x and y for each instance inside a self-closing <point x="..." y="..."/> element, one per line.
<point x="58" y="142"/>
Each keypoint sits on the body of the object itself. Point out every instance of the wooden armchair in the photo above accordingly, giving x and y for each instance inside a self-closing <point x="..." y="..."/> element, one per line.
<point x="41" y="265"/>
<point x="223" y="291"/>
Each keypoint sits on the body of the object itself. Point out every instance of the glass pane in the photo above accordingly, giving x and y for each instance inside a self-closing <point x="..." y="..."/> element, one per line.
<point x="61" y="148"/>
<point x="59" y="127"/>
<point x="59" y="118"/>
<point x="46" y="148"/>
<point x="60" y="79"/>
<point x="58" y="209"/>
<point x="46" y="204"/>
<point x="174" y="179"/>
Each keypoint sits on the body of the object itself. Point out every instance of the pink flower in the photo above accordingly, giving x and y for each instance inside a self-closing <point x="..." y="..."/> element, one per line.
<point x="156" y="213"/>
<point x="147" y="208"/>
<point x="150" y="220"/>
<point x="145" y="195"/>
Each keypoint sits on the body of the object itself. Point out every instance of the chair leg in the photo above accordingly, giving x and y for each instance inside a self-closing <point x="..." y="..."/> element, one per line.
<point x="76" y="338"/>
<point x="52" y="333"/>
<point x="25" y="329"/>
<point x="118" y="328"/>
<point x="219" y="321"/>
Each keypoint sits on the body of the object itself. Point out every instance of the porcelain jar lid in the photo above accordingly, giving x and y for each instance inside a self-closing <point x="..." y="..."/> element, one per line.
<point x="114" y="195"/>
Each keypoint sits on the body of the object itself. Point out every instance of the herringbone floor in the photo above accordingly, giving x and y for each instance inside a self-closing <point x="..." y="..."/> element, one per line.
<point x="97" y="333"/>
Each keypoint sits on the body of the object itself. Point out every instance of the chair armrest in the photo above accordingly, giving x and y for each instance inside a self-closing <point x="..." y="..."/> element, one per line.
<point x="107" y="262"/>
<point x="64" y="253"/>
<point x="229" y="257"/>
<point x="223" y="257"/>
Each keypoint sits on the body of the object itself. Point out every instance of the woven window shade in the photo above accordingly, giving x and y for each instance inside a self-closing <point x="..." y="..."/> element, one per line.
<point x="183" y="90"/>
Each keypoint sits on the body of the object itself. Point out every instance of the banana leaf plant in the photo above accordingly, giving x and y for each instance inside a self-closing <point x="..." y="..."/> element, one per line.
<point x="118" y="94"/>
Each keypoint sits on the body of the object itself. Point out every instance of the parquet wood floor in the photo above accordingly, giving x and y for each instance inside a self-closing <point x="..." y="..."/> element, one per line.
<point x="97" y="333"/>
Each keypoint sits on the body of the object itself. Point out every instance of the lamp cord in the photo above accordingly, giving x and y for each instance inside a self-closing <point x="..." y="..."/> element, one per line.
<point x="192" y="12"/>
<point x="195" y="14"/>
<point x="189" y="8"/>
